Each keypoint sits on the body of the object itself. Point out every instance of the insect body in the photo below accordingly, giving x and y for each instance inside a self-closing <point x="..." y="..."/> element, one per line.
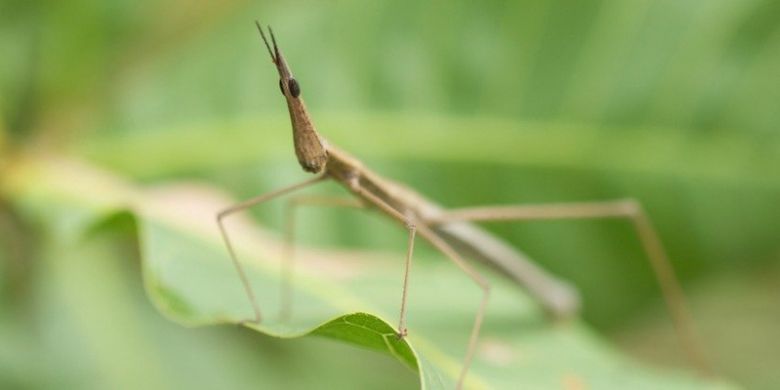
<point x="451" y="231"/>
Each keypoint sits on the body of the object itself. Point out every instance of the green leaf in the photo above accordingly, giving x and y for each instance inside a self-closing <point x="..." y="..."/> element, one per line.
<point x="190" y="278"/>
<point x="351" y="297"/>
<point x="86" y="322"/>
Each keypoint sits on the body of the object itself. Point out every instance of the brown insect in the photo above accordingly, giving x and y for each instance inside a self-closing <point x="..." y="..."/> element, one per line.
<point x="450" y="231"/>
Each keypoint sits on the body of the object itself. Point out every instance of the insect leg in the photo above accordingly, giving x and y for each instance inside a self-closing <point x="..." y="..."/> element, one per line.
<point x="243" y="206"/>
<point x="290" y="208"/>
<point x="627" y="209"/>
<point x="442" y="246"/>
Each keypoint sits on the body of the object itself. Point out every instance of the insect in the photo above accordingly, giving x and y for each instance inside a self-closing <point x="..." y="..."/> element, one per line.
<point x="452" y="232"/>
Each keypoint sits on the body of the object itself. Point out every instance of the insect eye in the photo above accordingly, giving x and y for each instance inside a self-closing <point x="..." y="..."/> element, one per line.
<point x="292" y="85"/>
<point x="295" y="89"/>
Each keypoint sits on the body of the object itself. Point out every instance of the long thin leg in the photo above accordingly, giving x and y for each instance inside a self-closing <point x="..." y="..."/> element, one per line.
<point x="290" y="208"/>
<point x="412" y="229"/>
<point x="445" y="248"/>
<point x="243" y="206"/>
<point x="630" y="209"/>
<point x="483" y="284"/>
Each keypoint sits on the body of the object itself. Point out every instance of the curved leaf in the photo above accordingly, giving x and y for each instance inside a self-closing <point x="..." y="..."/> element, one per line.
<point x="191" y="280"/>
<point x="342" y="295"/>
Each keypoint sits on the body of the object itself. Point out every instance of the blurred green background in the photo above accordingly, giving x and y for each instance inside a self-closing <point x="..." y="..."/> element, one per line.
<point x="672" y="102"/>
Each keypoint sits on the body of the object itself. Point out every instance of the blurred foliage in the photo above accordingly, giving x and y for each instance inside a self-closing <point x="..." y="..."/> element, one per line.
<point x="671" y="102"/>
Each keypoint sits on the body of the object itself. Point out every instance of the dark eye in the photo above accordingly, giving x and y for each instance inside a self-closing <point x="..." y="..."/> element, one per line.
<point x="295" y="89"/>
